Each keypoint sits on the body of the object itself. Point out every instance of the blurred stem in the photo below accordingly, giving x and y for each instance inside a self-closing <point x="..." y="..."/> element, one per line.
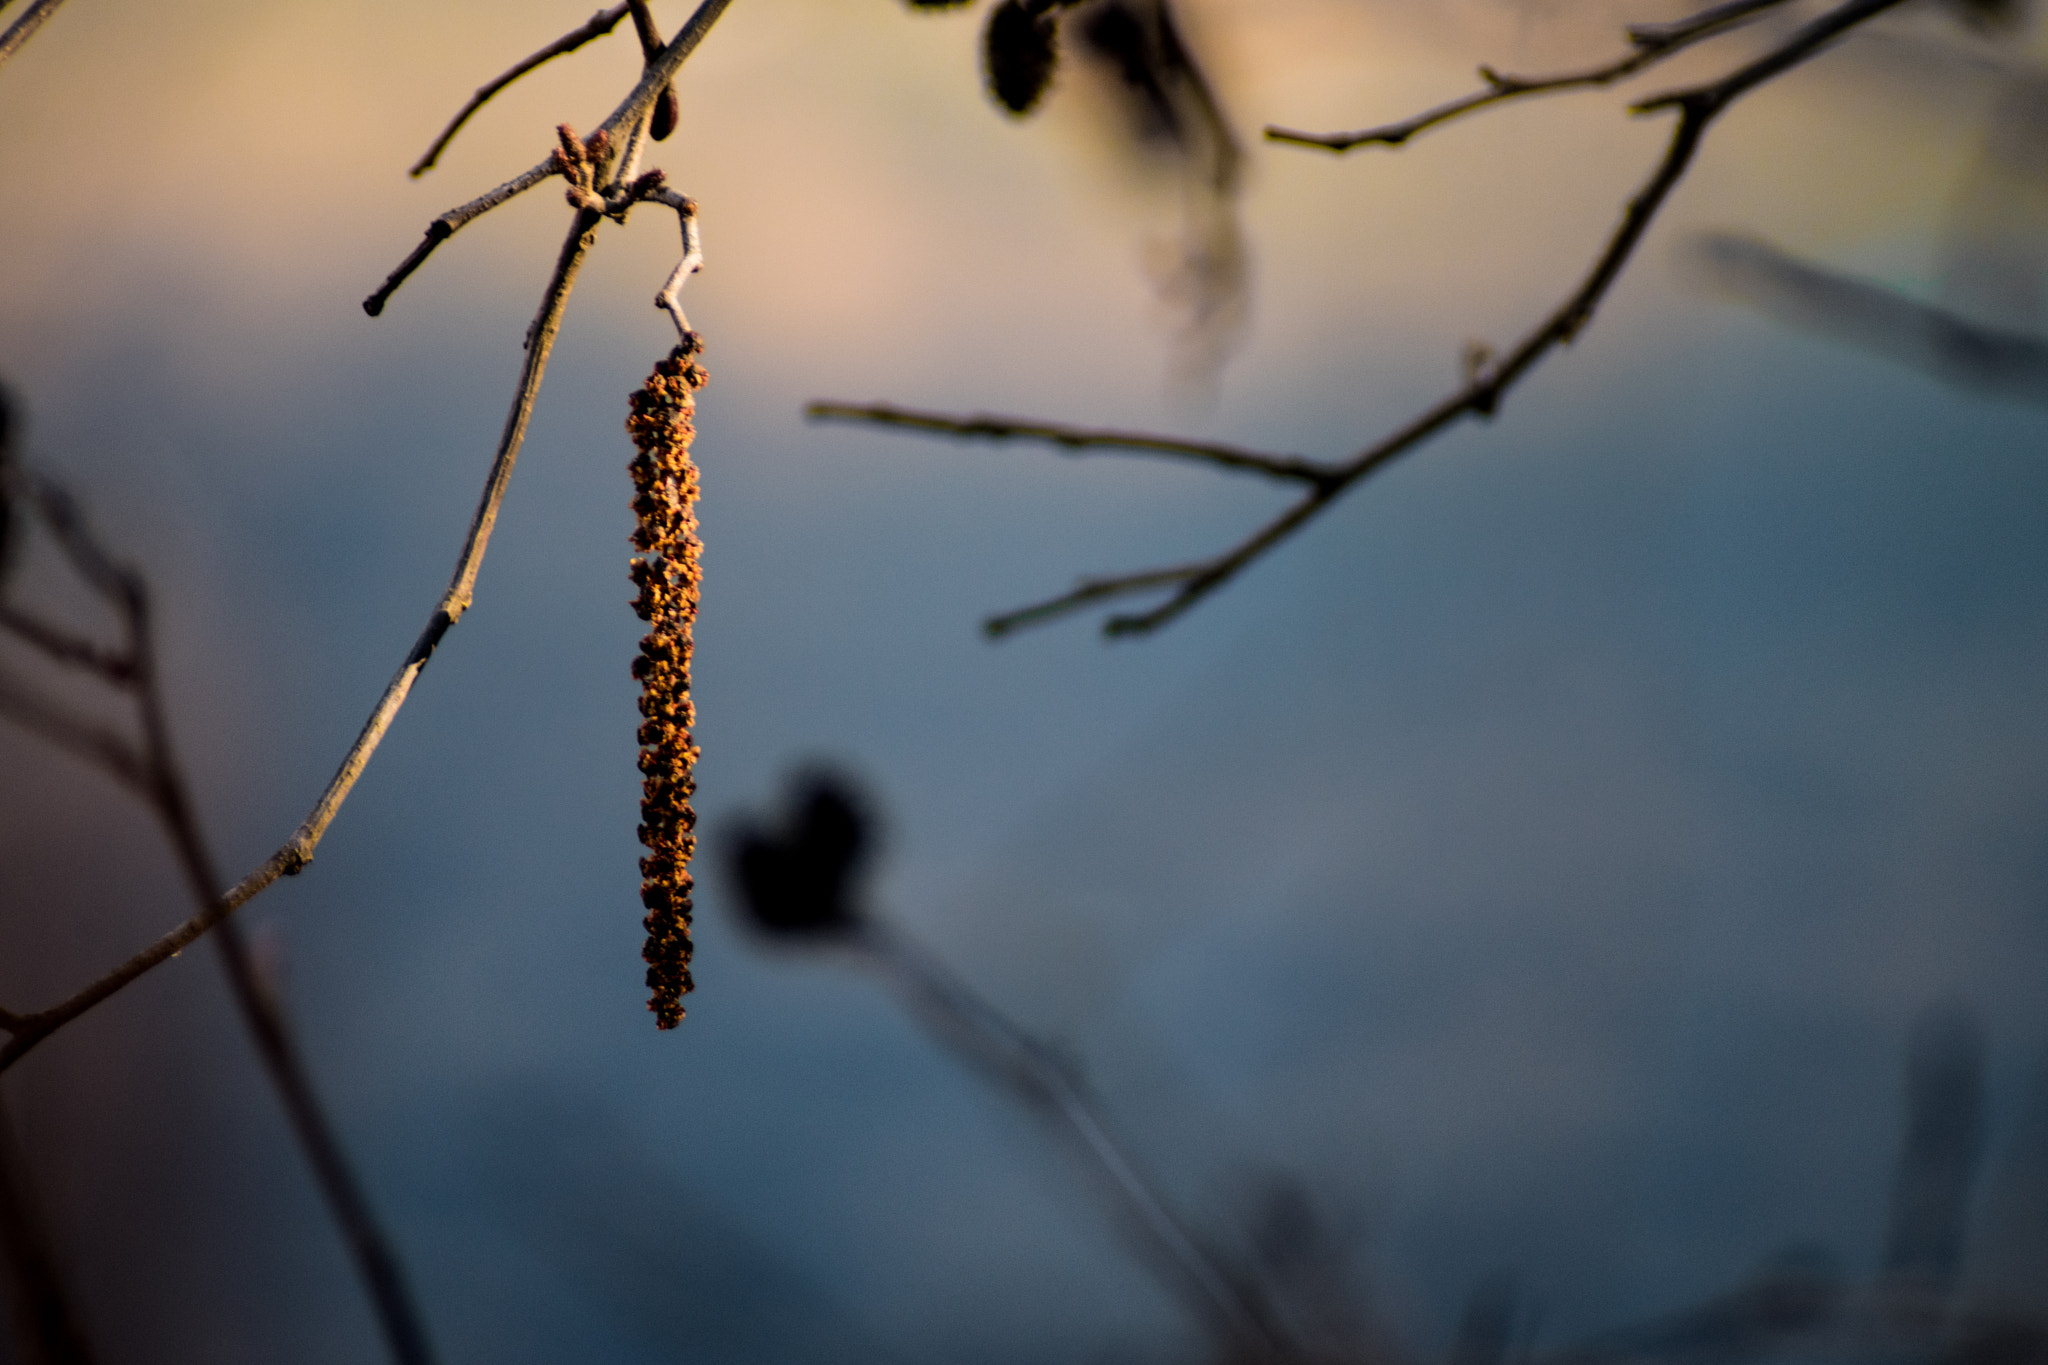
<point x="152" y="772"/>
<point x="1031" y="1070"/>
<point x="24" y="27"/>
<point x="46" y="1325"/>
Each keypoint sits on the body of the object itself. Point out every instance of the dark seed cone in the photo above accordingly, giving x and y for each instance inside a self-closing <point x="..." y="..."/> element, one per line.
<point x="667" y="574"/>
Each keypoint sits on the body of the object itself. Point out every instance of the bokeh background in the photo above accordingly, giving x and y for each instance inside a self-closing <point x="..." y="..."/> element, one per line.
<point x="1539" y="862"/>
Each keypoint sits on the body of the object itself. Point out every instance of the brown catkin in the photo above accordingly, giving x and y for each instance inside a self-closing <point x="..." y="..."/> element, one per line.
<point x="667" y="574"/>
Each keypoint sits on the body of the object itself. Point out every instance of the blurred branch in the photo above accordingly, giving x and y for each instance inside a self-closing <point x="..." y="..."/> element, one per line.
<point x="47" y="1330"/>
<point x="669" y="300"/>
<point x="1033" y="1072"/>
<point x="1488" y="381"/>
<point x="152" y="772"/>
<point x="61" y="646"/>
<point x="1652" y="43"/>
<point x="1876" y="318"/>
<point x="376" y="1259"/>
<point x="24" y="27"/>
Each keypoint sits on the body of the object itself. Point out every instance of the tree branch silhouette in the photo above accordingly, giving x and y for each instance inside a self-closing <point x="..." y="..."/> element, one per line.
<point x="1652" y="43"/>
<point x="25" y="25"/>
<point x="1488" y="381"/>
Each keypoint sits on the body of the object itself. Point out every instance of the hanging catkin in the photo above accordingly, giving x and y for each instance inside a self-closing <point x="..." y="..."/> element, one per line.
<point x="667" y="574"/>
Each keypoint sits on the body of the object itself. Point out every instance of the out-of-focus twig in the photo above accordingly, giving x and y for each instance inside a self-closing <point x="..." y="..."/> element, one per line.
<point x="152" y="772"/>
<point x="25" y="25"/>
<point x="1652" y="43"/>
<point x="1033" y="1071"/>
<point x="47" y="1330"/>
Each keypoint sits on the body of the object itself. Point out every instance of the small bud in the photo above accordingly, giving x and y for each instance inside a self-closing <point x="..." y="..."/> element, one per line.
<point x="797" y="881"/>
<point x="667" y="111"/>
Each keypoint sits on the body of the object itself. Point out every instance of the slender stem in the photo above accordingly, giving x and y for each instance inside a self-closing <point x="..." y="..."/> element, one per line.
<point x="632" y="111"/>
<point x="599" y="24"/>
<point x="24" y="27"/>
<point x="444" y="227"/>
<point x="76" y="735"/>
<point x="1087" y="591"/>
<point x="1030" y="1070"/>
<point x="62" y="646"/>
<point x="30" y="1029"/>
<point x="1697" y="108"/>
<point x="376" y="1260"/>
<point x="1652" y="44"/>
<point x="461" y="587"/>
<point x="375" y="1257"/>
<point x="156" y="776"/>
<point x="669" y="300"/>
<point x="46" y="1321"/>
<point x="1073" y="440"/>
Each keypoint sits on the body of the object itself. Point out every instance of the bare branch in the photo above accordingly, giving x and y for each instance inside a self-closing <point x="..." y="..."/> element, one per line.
<point x="1808" y="42"/>
<point x="24" y="27"/>
<point x="1652" y="43"/>
<point x="1074" y="440"/>
<point x="540" y="342"/>
<point x="1031" y="1070"/>
<point x="46" y="1321"/>
<point x="1481" y="396"/>
<point x="599" y="24"/>
<point x="662" y="71"/>
<point x="62" y="646"/>
<point x="80" y="738"/>
<point x="376" y="1260"/>
<point x="667" y="111"/>
<point x="154" y="774"/>
<point x="618" y="128"/>
<point x="669" y="299"/>
<point x="444" y="227"/>
<point x="1090" y="590"/>
<point x="114" y="582"/>
<point x="30" y="1029"/>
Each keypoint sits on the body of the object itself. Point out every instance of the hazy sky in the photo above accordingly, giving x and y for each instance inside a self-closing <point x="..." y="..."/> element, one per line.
<point x="1542" y="857"/>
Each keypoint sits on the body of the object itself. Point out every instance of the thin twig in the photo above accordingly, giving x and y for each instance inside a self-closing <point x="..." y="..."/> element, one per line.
<point x="1652" y="44"/>
<point x="599" y="24"/>
<point x="155" y="775"/>
<point x="1032" y="1070"/>
<point x="1481" y="396"/>
<point x="31" y="1029"/>
<point x="24" y="27"/>
<point x="46" y="1321"/>
<point x="444" y="227"/>
<point x="667" y="111"/>
<point x="1074" y="440"/>
<point x="62" y="646"/>
<point x="76" y="735"/>
<point x="631" y="112"/>
<point x="669" y="300"/>
<point x="376" y="1259"/>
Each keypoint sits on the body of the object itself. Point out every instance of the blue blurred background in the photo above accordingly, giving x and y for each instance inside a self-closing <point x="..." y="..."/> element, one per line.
<point x="1539" y="863"/>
